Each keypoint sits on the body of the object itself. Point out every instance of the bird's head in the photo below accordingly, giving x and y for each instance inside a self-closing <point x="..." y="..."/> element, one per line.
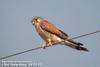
<point x="36" y="20"/>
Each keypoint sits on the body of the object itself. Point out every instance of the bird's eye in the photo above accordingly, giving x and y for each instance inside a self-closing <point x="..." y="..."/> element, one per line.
<point x="36" y="20"/>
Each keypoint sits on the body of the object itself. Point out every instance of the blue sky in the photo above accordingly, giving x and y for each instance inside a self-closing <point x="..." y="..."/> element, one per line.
<point x="74" y="17"/>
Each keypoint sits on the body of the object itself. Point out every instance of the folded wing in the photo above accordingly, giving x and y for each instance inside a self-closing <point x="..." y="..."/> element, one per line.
<point x="49" y="27"/>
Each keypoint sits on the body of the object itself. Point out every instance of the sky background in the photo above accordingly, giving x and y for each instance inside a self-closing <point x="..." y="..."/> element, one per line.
<point x="74" y="17"/>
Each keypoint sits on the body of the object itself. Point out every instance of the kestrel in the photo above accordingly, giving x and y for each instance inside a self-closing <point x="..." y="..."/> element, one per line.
<point x="53" y="35"/>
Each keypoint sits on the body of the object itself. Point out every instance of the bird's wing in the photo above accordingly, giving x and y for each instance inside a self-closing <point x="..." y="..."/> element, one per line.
<point x="49" y="27"/>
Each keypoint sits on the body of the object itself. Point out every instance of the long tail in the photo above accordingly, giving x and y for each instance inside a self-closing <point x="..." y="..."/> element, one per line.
<point x="75" y="45"/>
<point x="82" y="48"/>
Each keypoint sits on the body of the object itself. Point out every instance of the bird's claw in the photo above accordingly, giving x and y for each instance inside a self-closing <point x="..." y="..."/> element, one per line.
<point x="45" y="46"/>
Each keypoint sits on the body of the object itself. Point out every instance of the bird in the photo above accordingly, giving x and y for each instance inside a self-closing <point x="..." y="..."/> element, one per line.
<point x="52" y="35"/>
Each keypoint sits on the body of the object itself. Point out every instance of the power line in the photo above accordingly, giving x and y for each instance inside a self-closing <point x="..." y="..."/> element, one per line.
<point x="19" y="53"/>
<point x="48" y="46"/>
<point x="86" y="34"/>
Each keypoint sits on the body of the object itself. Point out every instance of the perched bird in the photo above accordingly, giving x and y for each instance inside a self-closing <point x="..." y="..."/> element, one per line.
<point x="53" y="35"/>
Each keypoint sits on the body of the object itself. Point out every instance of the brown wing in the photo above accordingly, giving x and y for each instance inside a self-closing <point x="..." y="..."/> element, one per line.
<point x="49" y="27"/>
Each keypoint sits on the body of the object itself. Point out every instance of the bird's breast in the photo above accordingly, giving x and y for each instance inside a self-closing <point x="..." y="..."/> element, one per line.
<point x="44" y="34"/>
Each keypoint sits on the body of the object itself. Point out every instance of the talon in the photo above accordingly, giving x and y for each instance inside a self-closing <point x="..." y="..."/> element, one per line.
<point x="49" y="43"/>
<point x="44" y="46"/>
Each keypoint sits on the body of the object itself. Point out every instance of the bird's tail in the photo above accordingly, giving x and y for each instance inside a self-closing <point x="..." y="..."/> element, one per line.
<point x="75" y="45"/>
<point x="81" y="48"/>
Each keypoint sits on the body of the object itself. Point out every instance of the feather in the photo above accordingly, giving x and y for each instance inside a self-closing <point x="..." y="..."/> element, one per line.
<point x="49" y="27"/>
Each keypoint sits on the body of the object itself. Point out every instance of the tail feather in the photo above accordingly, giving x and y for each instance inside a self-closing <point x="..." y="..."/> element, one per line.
<point x="80" y="44"/>
<point x="77" y="43"/>
<point x="75" y="46"/>
<point x="81" y="48"/>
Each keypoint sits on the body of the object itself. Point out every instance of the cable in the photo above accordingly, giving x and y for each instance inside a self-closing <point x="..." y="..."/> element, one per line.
<point x="19" y="53"/>
<point x="86" y="34"/>
<point x="48" y="46"/>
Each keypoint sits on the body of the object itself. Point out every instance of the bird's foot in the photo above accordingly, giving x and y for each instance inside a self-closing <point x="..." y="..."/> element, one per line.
<point x="48" y="43"/>
<point x="44" y="46"/>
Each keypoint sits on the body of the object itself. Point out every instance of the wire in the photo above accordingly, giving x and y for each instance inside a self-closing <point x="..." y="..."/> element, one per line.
<point x="19" y="53"/>
<point x="86" y="34"/>
<point x="48" y="46"/>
